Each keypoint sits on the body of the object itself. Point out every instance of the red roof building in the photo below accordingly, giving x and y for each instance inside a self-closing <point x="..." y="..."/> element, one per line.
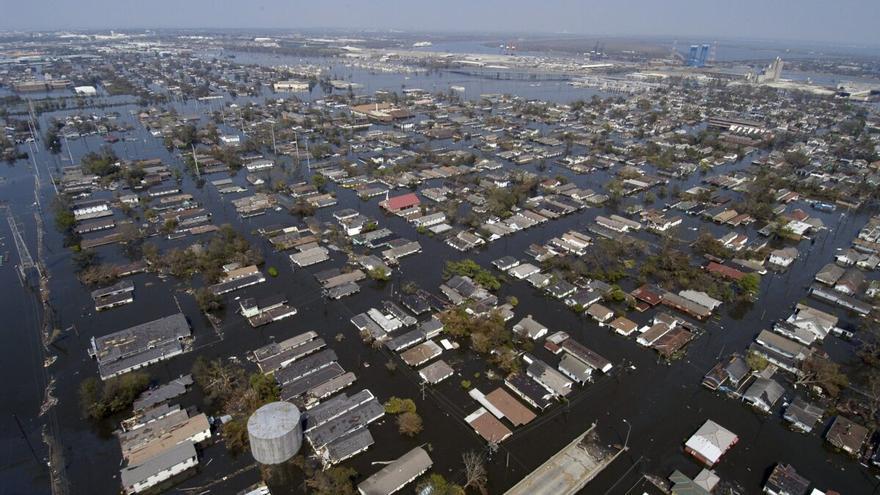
<point x="648" y="294"/>
<point x="402" y="202"/>
<point x="725" y="271"/>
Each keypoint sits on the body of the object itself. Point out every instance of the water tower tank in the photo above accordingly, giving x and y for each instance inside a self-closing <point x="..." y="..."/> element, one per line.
<point x="275" y="432"/>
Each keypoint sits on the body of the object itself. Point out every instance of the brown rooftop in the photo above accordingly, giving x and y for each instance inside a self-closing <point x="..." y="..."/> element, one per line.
<point x="492" y="430"/>
<point x="517" y="413"/>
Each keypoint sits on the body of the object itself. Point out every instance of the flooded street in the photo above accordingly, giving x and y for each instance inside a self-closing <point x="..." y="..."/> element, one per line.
<point x="653" y="404"/>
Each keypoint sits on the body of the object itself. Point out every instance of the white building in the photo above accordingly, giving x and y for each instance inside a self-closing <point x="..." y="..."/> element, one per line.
<point x="90" y="207"/>
<point x="230" y="139"/>
<point x="291" y="86"/>
<point x="430" y="220"/>
<point x="530" y="328"/>
<point x="85" y="90"/>
<point x="710" y="442"/>
<point x="159" y="468"/>
<point x="783" y="257"/>
<point x="261" y="164"/>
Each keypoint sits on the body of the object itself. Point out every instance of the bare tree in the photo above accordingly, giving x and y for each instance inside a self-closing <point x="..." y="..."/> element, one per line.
<point x="475" y="471"/>
<point x="409" y="424"/>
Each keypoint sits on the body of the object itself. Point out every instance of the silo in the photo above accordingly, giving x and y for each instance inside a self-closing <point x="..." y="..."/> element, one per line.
<point x="275" y="432"/>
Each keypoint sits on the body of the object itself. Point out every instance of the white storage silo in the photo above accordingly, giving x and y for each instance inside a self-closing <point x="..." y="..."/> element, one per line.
<point x="275" y="432"/>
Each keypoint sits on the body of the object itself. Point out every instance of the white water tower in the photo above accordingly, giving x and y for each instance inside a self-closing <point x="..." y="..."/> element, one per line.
<point x="275" y="432"/>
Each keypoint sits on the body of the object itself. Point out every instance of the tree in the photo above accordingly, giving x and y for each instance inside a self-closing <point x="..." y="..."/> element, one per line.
<point x="706" y="244"/>
<point x="396" y="405"/>
<point x="379" y="274"/>
<point x="756" y="361"/>
<point x="218" y="380"/>
<point x="333" y="481"/>
<point x="319" y="181"/>
<point x="207" y="300"/>
<point x="409" y="424"/>
<point x="99" y="400"/>
<point x="798" y="159"/>
<point x="438" y="485"/>
<point x="472" y="269"/>
<point x="336" y="480"/>
<point x="235" y="436"/>
<point x="103" y="163"/>
<point x="265" y="387"/>
<point x="750" y="284"/>
<point x="822" y="373"/>
<point x="303" y="208"/>
<point x="475" y="473"/>
<point x="64" y="218"/>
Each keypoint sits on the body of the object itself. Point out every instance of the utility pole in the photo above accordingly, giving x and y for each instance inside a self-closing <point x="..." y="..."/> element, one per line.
<point x="272" y="128"/>
<point x="67" y="145"/>
<point x="628" y="430"/>
<point x="26" y="439"/>
<point x="308" y="157"/>
<point x="195" y="160"/>
<point x="296" y="146"/>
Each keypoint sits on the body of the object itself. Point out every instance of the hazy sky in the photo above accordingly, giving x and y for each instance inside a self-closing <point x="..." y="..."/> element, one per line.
<point x="845" y="21"/>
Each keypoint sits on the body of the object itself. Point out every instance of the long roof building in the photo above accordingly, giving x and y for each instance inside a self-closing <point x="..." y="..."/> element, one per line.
<point x="140" y="345"/>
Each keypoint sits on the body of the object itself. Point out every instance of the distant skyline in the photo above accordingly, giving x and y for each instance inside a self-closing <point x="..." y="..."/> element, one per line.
<point x="842" y="21"/>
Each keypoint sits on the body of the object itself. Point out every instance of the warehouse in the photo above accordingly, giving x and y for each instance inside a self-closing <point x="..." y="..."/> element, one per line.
<point x="140" y="345"/>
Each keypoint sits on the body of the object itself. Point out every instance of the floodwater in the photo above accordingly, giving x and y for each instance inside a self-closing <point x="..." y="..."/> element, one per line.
<point x="654" y="405"/>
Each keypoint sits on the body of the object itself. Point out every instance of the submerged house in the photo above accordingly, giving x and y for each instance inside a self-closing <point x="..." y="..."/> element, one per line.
<point x="710" y="443"/>
<point x="397" y="474"/>
<point x="785" y="480"/>
<point x="728" y="374"/>
<point x="528" y="327"/>
<point x="763" y="394"/>
<point x="847" y="435"/>
<point x="802" y="415"/>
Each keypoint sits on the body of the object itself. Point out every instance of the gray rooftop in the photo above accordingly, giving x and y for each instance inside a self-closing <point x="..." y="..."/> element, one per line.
<point x="398" y="473"/>
<point x="140" y="338"/>
<point x="166" y="460"/>
<point x="162" y="393"/>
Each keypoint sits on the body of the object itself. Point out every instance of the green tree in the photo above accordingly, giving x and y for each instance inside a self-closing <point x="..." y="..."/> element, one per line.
<point x="438" y="485"/>
<point x="207" y="300"/>
<point x="99" y="400"/>
<point x="265" y="387"/>
<point x="336" y="480"/>
<point x="750" y="284"/>
<point x="319" y="181"/>
<point x="470" y="268"/>
<point x="396" y="405"/>
<point x="235" y="436"/>
<point x="379" y="273"/>
<point x="756" y="361"/>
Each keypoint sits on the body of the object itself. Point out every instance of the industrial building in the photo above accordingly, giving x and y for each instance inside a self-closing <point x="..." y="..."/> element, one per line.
<point x="140" y="345"/>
